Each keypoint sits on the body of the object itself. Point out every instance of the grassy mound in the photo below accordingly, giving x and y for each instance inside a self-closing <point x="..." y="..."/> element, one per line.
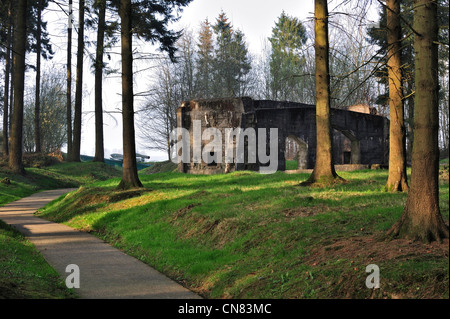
<point x="246" y="235"/>
<point x="61" y="175"/>
<point x="160" y="167"/>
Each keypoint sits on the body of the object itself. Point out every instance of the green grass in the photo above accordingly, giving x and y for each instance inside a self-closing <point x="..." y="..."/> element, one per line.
<point x="63" y="175"/>
<point x="24" y="273"/>
<point x="159" y="167"/>
<point x="291" y="165"/>
<point x="246" y="235"/>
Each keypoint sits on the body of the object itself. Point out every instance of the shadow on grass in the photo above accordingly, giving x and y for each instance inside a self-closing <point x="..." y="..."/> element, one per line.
<point x="246" y="234"/>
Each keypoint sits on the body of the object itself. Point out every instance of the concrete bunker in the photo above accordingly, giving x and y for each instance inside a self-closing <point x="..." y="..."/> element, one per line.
<point x="359" y="137"/>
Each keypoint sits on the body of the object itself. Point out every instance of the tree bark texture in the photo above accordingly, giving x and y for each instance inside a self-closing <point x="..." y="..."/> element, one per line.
<point x="37" y="106"/>
<point x="76" y="143"/>
<point x="421" y="218"/>
<point x="130" y="177"/>
<point x="6" y="93"/>
<point x="99" y="144"/>
<point x="324" y="172"/>
<point x="20" y="38"/>
<point x="69" y="82"/>
<point x="397" y="179"/>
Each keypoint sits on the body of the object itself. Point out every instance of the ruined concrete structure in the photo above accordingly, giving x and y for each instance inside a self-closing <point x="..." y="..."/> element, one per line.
<point x="358" y="137"/>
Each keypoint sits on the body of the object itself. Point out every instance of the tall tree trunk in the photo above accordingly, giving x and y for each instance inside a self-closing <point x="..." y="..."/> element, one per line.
<point x="37" y="106"/>
<point x="6" y="93"/>
<point x="397" y="180"/>
<point x="69" y="81"/>
<point x="129" y="172"/>
<point x="20" y="38"/>
<point x="11" y="84"/>
<point x="421" y="219"/>
<point x="410" y="122"/>
<point x="99" y="146"/>
<point x="76" y="144"/>
<point x="324" y="172"/>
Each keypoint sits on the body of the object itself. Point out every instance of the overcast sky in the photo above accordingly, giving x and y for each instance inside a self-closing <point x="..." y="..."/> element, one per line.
<point x="255" y="18"/>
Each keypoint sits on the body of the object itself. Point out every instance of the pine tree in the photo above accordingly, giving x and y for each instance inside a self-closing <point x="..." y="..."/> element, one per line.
<point x="379" y="35"/>
<point x="421" y="218"/>
<point x="6" y="27"/>
<point x="69" y="82"/>
<point x="397" y="180"/>
<point x="231" y="60"/>
<point x="288" y="37"/>
<point x="37" y="41"/>
<point x="204" y="63"/>
<point x="324" y="172"/>
<point x="222" y="59"/>
<point x="241" y="62"/>
<point x="144" y="21"/>
<point x="100" y="6"/>
<point x="74" y="156"/>
<point x="20" y="41"/>
<point x="37" y="120"/>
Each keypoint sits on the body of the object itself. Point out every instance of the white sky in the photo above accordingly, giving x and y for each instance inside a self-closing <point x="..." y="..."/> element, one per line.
<point x="255" y="18"/>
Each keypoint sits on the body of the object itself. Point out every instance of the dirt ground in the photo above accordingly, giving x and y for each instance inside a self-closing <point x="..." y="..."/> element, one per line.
<point x="369" y="248"/>
<point x="365" y="250"/>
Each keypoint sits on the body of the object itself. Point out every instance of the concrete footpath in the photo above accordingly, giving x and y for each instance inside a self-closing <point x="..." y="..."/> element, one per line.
<point x="104" y="271"/>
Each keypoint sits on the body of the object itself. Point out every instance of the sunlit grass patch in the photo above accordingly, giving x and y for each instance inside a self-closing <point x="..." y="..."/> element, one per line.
<point x="247" y="235"/>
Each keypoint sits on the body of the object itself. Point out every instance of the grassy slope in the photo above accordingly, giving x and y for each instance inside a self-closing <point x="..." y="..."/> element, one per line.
<point x="245" y="235"/>
<point x="24" y="272"/>
<point x="159" y="167"/>
<point x="56" y="176"/>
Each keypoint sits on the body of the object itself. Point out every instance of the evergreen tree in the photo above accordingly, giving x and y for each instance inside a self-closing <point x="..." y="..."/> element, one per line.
<point x="100" y="8"/>
<point x="231" y="60"/>
<point x="240" y="62"/>
<point x="20" y="43"/>
<point x="324" y="172"/>
<point x="222" y="57"/>
<point x="286" y="62"/>
<point x="421" y="218"/>
<point x="147" y="20"/>
<point x="42" y="47"/>
<point x="74" y="156"/>
<point x="378" y="35"/>
<point x="397" y="180"/>
<point x="204" y="63"/>
<point x="6" y="37"/>
<point x="37" y="41"/>
<point x="69" y="82"/>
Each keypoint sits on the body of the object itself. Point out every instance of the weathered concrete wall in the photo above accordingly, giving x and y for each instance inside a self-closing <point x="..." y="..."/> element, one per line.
<point x="362" y="138"/>
<point x="220" y="114"/>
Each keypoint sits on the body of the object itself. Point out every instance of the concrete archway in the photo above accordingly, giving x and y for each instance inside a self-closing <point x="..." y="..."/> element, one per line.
<point x="351" y="154"/>
<point x="300" y="151"/>
<point x="365" y="135"/>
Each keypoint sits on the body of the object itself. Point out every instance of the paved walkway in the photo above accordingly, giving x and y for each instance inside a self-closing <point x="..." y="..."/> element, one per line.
<point x="105" y="272"/>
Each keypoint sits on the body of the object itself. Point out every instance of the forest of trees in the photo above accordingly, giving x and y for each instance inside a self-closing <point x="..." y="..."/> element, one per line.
<point x="285" y="70"/>
<point x="334" y="60"/>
